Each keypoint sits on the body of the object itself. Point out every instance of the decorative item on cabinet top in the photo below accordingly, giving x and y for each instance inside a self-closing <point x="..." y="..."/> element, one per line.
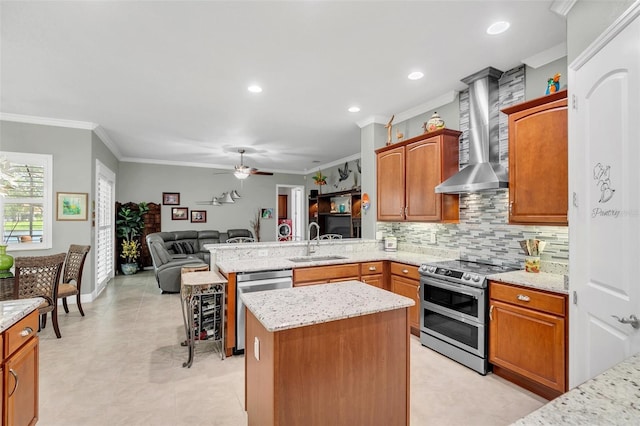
<point x="434" y="123"/>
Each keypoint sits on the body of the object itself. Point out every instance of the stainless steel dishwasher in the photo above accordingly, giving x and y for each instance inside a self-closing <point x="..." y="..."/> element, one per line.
<point x="256" y="281"/>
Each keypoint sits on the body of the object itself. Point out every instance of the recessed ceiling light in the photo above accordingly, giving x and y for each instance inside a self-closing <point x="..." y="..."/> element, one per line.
<point x="416" y="75"/>
<point x="254" y="88"/>
<point x="498" y="27"/>
<point x="354" y="109"/>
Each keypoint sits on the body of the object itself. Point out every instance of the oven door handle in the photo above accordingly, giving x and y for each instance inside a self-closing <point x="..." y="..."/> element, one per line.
<point x="459" y="288"/>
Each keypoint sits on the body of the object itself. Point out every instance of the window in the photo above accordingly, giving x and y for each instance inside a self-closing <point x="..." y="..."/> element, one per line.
<point x="104" y="221"/>
<point x="26" y="206"/>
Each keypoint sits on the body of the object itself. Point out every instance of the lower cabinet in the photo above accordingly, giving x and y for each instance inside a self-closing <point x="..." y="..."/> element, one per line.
<point x="372" y="273"/>
<point x="528" y="338"/>
<point x="20" y="373"/>
<point x="405" y="281"/>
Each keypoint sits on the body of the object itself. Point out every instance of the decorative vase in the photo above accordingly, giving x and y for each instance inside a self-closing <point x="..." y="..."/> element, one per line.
<point x="6" y="260"/>
<point x="129" y="268"/>
<point x="434" y="123"/>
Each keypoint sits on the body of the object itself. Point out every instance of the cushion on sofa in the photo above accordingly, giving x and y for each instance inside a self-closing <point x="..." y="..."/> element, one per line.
<point x="187" y="247"/>
<point x="232" y="233"/>
<point x="162" y="254"/>
<point x="178" y="248"/>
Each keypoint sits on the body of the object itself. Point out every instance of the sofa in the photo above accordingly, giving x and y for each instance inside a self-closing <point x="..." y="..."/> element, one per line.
<point x="170" y="251"/>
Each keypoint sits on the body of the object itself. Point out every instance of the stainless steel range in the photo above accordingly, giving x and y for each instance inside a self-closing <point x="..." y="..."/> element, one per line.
<point x="453" y="315"/>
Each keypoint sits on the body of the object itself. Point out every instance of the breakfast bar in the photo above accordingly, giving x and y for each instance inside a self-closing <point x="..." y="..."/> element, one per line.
<point x="333" y="353"/>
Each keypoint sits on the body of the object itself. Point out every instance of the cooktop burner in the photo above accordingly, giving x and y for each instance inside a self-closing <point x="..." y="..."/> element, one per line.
<point x="462" y="271"/>
<point x="471" y="267"/>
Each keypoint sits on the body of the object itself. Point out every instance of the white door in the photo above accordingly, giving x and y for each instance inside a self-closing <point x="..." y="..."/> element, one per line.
<point x="604" y="217"/>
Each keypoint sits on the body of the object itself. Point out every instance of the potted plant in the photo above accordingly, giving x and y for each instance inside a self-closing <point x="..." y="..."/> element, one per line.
<point x="129" y="227"/>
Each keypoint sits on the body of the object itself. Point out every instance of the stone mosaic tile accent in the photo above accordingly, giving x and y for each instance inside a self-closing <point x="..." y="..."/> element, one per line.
<point x="484" y="233"/>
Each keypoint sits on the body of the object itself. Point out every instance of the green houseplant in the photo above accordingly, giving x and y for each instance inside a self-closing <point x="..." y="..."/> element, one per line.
<point x="129" y="227"/>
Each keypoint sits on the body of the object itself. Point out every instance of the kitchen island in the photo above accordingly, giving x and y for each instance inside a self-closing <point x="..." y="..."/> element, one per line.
<point x="333" y="354"/>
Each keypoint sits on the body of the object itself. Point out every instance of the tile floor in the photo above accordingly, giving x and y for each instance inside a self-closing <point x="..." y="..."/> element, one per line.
<point x="122" y="365"/>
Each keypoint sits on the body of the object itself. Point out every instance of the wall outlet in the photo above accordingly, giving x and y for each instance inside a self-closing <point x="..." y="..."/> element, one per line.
<point x="263" y="253"/>
<point x="433" y="237"/>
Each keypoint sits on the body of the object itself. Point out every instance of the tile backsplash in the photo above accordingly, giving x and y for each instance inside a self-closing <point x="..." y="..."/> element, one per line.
<point x="483" y="233"/>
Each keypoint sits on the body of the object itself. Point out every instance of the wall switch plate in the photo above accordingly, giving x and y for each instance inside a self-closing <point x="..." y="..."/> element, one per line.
<point x="263" y="253"/>
<point x="256" y="348"/>
<point x="433" y="237"/>
<point x="378" y="235"/>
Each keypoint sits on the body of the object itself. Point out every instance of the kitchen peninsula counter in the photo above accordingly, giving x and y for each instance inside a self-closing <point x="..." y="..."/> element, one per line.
<point x="610" y="398"/>
<point x="327" y="354"/>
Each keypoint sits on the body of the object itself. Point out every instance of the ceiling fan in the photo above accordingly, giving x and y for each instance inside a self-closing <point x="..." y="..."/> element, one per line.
<point x="243" y="172"/>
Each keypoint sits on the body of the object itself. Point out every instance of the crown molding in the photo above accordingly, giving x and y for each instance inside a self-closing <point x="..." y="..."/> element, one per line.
<point x="562" y="7"/>
<point x="104" y="137"/>
<point x="45" y="121"/>
<point x="546" y="56"/>
<point x="373" y="119"/>
<point x="445" y="98"/>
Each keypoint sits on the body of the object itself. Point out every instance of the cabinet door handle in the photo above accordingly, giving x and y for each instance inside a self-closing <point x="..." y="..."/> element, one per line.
<point x="511" y="207"/>
<point x="27" y="331"/>
<point x="372" y="268"/>
<point x="405" y="271"/>
<point x="491" y="313"/>
<point x="15" y="376"/>
<point x="523" y="298"/>
<point x="405" y="211"/>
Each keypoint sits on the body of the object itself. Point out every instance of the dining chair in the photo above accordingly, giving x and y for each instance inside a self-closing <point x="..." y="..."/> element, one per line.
<point x="241" y="240"/>
<point x="38" y="276"/>
<point x="72" y="275"/>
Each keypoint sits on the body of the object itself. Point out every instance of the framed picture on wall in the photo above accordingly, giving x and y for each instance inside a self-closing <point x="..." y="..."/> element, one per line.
<point x="171" y="198"/>
<point x="179" y="213"/>
<point x="198" y="216"/>
<point x="71" y="205"/>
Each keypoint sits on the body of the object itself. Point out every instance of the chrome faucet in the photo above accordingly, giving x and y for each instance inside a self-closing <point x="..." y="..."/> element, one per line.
<point x="311" y="225"/>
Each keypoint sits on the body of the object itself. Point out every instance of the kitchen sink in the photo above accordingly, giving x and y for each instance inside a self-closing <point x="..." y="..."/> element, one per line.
<point x="315" y="258"/>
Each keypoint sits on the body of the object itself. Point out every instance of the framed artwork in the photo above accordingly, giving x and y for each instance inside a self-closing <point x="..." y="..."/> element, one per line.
<point x="171" y="198"/>
<point x="198" y="216"/>
<point x="267" y="213"/>
<point x="71" y="205"/>
<point x="179" y="213"/>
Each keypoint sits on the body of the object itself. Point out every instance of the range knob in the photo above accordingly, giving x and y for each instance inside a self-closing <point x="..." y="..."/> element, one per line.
<point x="476" y="278"/>
<point x="466" y="276"/>
<point x="432" y="269"/>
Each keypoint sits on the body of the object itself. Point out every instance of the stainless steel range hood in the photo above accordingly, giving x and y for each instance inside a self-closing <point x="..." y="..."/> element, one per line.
<point x="484" y="171"/>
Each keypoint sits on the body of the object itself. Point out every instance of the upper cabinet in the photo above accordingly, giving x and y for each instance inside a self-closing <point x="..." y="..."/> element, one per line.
<point x="538" y="161"/>
<point x="408" y="173"/>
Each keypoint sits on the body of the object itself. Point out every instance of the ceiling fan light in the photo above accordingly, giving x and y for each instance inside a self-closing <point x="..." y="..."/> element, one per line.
<point x="226" y="198"/>
<point x="235" y="195"/>
<point x="241" y="174"/>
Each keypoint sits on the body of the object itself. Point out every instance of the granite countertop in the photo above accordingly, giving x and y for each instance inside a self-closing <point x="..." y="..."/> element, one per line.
<point x="274" y="263"/>
<point x="301" y="306"/>
<point x="12" y="311"/>
<point x="541" y="280"/>
<point x="610" y="398"/>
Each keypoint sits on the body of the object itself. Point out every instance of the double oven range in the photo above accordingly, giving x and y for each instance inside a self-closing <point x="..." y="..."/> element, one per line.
<point x="454" y="310"/>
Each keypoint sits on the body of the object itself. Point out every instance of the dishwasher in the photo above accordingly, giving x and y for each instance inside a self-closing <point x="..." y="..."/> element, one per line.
<point x="256" y="281"/>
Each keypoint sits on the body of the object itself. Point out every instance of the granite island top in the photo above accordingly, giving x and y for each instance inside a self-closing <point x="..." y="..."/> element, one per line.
<point x="12" y="311"/>
<point x="611" y="398"/>
<point x="301" y="306"/>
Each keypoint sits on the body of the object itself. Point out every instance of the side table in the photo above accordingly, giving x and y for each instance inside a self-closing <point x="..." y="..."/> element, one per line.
<point x="203" y="300"/>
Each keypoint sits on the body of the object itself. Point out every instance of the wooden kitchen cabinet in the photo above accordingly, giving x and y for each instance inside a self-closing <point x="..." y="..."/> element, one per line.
<point x="405" y="281"/>
<point x="372" y="273"/>
<point x="528" y="338"/>
<point x="538" y="161"/>
<point x="20" y="372"/>
<point x="408" y="173"/>
<point x="325" y="274"/>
